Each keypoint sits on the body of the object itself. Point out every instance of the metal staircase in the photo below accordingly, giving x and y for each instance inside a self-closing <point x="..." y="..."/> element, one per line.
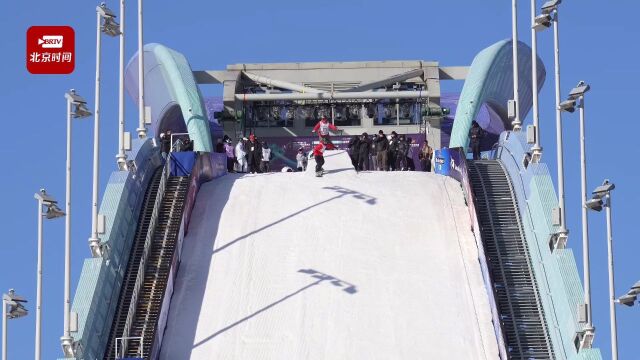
<point x="134" y="263"/>
<point x="517" y="295"/>
<point x="156" y="274"/>
<point x="134" y="326"/>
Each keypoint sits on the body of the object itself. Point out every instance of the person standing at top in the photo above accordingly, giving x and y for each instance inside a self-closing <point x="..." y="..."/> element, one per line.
<point x="425" y="155"/>
<point x="411" y="166"/>
<point x="301" y="160"/>
<point x="382" y="148"/>
<point x="241" y="156"/>
<point x="254" y="154"/>
<point x="324" y="128"/>
<point x="364" y="147"/>
<point x="231" y="159"/>
<point x="266" y="158"/>
<point x="475" y="135"/>
<point x="393" y="151"/>
<point x="401" y="154"/>
<point x="318" y="152"/>
<point x="353" y="147"/>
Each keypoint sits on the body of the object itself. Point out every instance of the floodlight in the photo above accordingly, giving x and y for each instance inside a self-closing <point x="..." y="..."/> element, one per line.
<point x="594" y="204"/>
<point x="54" y="212"/>
<point x="579" y="90"/>
<point x="104" y="11"/>
<point x="81" y="111"/>
<point x="44" y="197"/>
<point x="628" y="299"/>
<point x="550" y="6"/>
<point x="109" y="25"/>
<point x="74" y="98"/>
<point x="16" y="309"/>
<point x="603" y="189"/>
<point x="568" y="105"/>
<point x="542" y="22"/>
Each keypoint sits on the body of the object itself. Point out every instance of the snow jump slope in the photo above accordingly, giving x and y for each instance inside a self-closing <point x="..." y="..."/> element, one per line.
<point x="370" y="265"/>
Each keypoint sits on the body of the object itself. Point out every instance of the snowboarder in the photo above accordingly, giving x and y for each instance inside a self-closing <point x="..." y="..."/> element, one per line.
<point x="353" y="146"/>
<point x="323" y="128"/>
<point x="318" y="151"/>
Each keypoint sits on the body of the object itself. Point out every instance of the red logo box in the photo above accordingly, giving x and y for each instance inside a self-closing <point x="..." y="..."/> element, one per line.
<point x="51" y="50"/>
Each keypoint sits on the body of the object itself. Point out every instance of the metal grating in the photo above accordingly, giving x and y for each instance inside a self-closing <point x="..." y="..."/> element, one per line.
<point x="517" y="295"/>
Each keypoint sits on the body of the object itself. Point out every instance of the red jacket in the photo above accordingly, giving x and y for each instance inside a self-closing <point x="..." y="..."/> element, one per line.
<point x="319" y="149"/>
<point x="323" y="128"/>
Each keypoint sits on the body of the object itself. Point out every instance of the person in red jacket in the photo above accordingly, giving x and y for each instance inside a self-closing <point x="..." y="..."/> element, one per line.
<point x="318" y="151"/>
<point x="323" y="128"/>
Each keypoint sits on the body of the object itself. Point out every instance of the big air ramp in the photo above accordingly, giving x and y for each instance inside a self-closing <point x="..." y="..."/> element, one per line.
<point x="370" y="265"/>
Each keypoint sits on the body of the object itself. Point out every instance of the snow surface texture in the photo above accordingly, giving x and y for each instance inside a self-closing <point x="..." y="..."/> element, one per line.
<point x="370" y="265"/>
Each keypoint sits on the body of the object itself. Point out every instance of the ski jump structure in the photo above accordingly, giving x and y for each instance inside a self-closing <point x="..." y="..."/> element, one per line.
<point x="198" y="263"/>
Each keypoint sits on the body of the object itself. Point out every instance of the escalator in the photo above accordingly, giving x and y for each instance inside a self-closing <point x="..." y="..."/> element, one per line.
<point x="517" y="295"/>
<point x="134" y="262"/>
<point x="143" y="323"/>
<point x="157" y="269"/>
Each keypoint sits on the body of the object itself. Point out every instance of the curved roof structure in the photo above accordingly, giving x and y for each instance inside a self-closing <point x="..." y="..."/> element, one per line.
<point x="172" y="93"/>
<point x="490" y="81"/>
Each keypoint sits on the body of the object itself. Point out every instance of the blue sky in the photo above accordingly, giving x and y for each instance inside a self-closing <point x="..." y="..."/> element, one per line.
<point x="603" y="52"/>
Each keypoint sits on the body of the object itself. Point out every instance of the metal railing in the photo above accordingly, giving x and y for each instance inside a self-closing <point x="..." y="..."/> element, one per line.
<point x="166" y="171"/>
<point x="124" y="340"/>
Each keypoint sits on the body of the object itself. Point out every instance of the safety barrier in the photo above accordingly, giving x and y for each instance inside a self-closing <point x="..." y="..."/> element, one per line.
<point x="458" y="170"/>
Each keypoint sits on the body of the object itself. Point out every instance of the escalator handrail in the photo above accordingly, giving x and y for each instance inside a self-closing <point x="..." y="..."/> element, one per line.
<point x="145" y="253"/>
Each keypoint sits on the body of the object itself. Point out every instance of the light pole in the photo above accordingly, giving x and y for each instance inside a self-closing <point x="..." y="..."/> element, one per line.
<point x="52" y="212"/>
<point x="76" y="108"/>
<point x="536" y="150"/>
<point x="121" y="158"/>
<point x="142" y="129"/>
<point x="516" y="123"/>
<point x="569" y="105"/>
<point x="550" y="15"/>
<point x="16" y="310"/>
<point x="106" y="24"/>
<point x="600" y="194"/>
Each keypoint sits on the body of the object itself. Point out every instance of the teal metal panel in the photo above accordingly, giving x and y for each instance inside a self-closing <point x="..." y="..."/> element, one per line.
<point x="490" y="81"/>
<point x="100" y="282"/>
<point x="556" y="272"/>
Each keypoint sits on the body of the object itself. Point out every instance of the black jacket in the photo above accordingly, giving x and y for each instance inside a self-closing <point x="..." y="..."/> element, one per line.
<point x="381" y="143"/>
<point x="364" y="147"/>
<point x="403" y="148"/>
<point x="475" y="134"/>
<point x="254" y="152"/>
<point x="353" y="145"/>
<point x="393" y="144"/>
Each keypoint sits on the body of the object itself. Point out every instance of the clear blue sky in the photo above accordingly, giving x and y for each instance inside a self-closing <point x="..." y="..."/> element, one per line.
<point x="604" y="52"/>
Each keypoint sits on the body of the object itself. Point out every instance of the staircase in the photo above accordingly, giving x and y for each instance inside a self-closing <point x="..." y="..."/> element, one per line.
<point x="518" y="299"/>
<point x="157" y="269"/>
<point x="163" y="238"/>
<point x="129" y="280"/>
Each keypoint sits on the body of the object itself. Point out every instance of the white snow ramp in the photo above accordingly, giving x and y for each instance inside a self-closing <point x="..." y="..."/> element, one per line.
<point x="375" y="265"/>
